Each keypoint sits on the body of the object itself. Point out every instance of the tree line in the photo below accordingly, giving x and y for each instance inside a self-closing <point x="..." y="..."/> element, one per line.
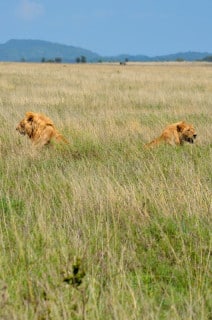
<point x="81" y="59"/>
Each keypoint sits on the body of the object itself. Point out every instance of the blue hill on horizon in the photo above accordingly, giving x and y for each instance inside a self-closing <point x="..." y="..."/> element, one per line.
<point x="36" y="50"/>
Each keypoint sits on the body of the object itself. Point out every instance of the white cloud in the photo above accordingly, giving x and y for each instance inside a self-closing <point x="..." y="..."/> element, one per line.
<point x="30" y="9"/>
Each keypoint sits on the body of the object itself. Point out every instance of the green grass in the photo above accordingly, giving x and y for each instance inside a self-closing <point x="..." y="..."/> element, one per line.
<point x="103" y="228"/>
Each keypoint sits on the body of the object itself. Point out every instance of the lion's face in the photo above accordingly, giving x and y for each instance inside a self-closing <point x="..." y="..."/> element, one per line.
<point x="39" y="128"/>
<point x="187" y="132"/>
<point x="25" y="127"/>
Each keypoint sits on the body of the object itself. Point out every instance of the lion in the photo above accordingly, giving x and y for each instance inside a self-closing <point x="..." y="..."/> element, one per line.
<point x="175" y="134"/>
<point x="40" y="129"/>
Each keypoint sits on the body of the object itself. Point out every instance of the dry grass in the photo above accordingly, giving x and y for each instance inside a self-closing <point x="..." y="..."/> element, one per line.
<point x="138" y="220"/>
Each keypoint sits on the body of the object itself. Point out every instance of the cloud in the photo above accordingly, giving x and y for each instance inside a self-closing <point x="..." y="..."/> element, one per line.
<point x="30" y="10"/>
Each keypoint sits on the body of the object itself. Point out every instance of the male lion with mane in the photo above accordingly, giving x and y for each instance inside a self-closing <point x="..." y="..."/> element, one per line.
<point x="175" y="134"/>
<point x="40" y="129"/>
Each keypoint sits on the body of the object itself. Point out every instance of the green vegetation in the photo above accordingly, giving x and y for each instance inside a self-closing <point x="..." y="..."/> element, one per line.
<point x="81" y="59"/>
<point x="208" y="59"/>
<point x="56" y="60"/>
<point x="102" y="228"/>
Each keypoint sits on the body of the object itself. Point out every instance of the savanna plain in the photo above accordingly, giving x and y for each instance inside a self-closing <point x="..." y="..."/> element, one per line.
<point x="103" y="228"/>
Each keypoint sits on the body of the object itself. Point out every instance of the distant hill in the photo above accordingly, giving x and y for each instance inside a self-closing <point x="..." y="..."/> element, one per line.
<point x="187" y="56"/>
<point x="36" y="50"/>
<point x="181" y="56"/>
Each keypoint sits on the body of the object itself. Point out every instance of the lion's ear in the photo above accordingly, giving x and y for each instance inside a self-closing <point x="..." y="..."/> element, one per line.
<point x="30" y="116"/>
<point x="180" y="126"/>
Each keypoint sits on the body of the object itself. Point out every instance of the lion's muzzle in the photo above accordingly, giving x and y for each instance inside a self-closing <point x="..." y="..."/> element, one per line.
<point x="20" y="130"/>
<point x="190" y="139"/>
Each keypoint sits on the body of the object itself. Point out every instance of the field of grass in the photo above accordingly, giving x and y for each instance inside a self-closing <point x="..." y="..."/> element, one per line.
<point x="104" y="229"/>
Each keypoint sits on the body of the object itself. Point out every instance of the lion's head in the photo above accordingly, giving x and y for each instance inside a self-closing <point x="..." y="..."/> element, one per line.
<point x="25" y="126"/>
<point x="31" y="122"/>
<point x="186" y="132"/>
<point x="39" y="128"/>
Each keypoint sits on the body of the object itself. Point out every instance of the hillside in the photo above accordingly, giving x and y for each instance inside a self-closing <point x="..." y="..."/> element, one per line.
<point x="36" y="50"/>
<point x="186" y="56"/>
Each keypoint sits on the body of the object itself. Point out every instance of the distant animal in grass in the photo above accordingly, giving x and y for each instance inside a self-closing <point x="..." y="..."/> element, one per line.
<point x="40" y="129"/>
<point x="175" y="134"/>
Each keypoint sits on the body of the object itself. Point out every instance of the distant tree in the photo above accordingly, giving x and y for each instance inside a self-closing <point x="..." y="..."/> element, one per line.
<point x="83" y="59"/>
<point x="179" y="59"/>
<point x="208" y="59"/>
<point x="43" y="59"/>
<point x="58" y="60"/>
<point x="23" y="60"/>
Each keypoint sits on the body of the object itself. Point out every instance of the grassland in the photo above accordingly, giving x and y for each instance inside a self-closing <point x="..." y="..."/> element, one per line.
<point x="104" y="229"/>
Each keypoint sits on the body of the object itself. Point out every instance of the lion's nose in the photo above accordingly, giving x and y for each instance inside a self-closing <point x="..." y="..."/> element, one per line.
<point x="195" y="135"/>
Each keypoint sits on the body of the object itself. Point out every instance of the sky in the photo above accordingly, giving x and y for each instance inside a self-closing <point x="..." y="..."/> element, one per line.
<point x="112" y="27"/>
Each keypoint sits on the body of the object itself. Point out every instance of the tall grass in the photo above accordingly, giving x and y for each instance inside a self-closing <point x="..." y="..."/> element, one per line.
<point x="104" y="229"/>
